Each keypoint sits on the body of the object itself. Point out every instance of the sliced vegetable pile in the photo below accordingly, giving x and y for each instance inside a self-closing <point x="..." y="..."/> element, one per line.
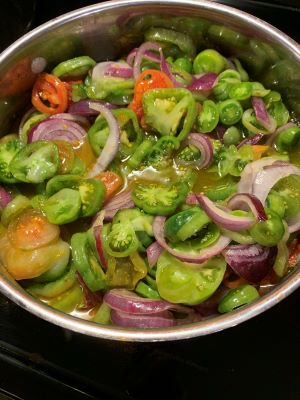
<point x="151" y="191"/>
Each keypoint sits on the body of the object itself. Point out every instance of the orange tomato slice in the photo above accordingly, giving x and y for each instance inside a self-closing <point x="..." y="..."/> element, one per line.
<point x="112" y="182"/>
<point x="31" y="230"/>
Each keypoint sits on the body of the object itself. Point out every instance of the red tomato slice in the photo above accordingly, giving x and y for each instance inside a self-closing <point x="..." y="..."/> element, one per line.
<point x="49" y="94"/>
<point x="148" y="79"/>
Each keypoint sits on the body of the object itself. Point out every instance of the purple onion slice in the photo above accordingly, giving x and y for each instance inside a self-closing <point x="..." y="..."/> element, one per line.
<point x="144" y="321"/>
<point x="153" y="252"/>
<point x="199" y="258"/>
<point x="57" y="129"/>
<point x="111" y="146"/>
<point x="251" y="262"/>
<point x="203" y="82"/>
<point x="262" y="114"/>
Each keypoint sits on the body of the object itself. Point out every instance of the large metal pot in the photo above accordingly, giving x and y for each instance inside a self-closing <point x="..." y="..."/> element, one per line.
<point x="107" y="30"/>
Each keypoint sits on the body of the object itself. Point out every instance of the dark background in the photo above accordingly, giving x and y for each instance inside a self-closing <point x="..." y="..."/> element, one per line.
<point x="259" y="359"/>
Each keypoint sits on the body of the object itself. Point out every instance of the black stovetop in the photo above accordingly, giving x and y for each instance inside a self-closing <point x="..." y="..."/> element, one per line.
<point x="258" y="359"/>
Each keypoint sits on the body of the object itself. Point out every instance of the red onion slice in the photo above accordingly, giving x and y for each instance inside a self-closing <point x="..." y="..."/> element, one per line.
<point x="111" y="147"/>
<point x="159" y="320"/>
<point x="269" y="176"/>
<point x="57" y="129"/>
<point x="153" y="252"/>
<point x="97" y="231"/>
<point x="148" y="55"/>
<point x="144" y="48"/>
<point x="82" y="107"/>
<point x="249" y="172"/>
<point x="91" y="299"/>
<point x="70" y="117"/>
<point x="112" y="68"/>
<point x="293" y="223"/>
<point x="165" y="67"/>
<point x="129" y="302"/>
<point x="130" y="305"/>
<point x="251" y="262"/>
<point x="220" y="131"/>
<point x="120" y="70"/>
<point x="237" y="201"/>
<point x="204" y="145"/>
<point x="120" y="201"/>
<point x="5" y="197"/>
<point x="99" y="70"/>
<point x="224" y="218"/>
<point x="199" y="258"/>
<point x="203" y="82"/>
<point x="262" y="114"/>
<point x="251" y="140"/>
<point x="131" y="56"/>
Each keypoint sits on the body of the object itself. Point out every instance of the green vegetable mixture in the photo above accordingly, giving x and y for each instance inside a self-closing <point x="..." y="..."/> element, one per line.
<point x="145" y="191"/>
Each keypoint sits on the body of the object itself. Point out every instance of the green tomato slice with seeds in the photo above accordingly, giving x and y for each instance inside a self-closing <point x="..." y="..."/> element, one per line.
<point x="179" y="282"/>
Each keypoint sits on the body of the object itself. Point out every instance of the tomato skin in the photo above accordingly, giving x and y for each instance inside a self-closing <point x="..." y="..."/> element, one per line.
<point x="49" y="89"/>
<point x="28" y="264"/>
<point x="31" y="230"/>
<point x="111" y="181"/>
<point x="148" y="79"/>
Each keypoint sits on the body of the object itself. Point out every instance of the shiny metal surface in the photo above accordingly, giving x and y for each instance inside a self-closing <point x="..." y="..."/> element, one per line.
<point x="108" y="30"/>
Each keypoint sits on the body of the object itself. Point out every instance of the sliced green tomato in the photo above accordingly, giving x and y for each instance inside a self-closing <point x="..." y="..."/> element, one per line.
<point x="59" y="182"/>
<point x="38" y="201"/>
<point x="179" y="283"/>
<point x="209" y="60"/>
<point x="69" y="300"/>
<point x="140" y="221"/>
<point x="289" y="190"/>
<point x="35" y="162"/>
<point x="78" y="167"/>
<point x="241" y="237"/>
<point x="102" y="315"/>
<point x="120" y="239"/>
<point x="205" y="238"/>
<point x="63" y="207"/>
<point x="221" y="192"/>
<point x="53" y="289"/>
<point x="158" y="199"/>
<point x="241" y="91"/>
<point x="8" y="151"/>
<point x="232" y="135"/>
<point x="185" y="224"/>
<point x="34" y="119"/>
<point x="57" y="270"/>
<point x="87" y="263"/>
<point x="75" y="67"/>
<point x="14" y="208"/>
<point x="276" y="203"/>
<point x="230" y="112"/>
<point x="92" y="193"/>
<point x="208" y="117"/>
<point x="146" y="291"/>
<point x="237" y="297"/>
<point x="270" y="232"/>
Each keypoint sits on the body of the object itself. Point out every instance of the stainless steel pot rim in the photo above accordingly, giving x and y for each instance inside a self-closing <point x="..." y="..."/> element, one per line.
<point x="204" y="327"/>
<point x="107" y="5"/>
